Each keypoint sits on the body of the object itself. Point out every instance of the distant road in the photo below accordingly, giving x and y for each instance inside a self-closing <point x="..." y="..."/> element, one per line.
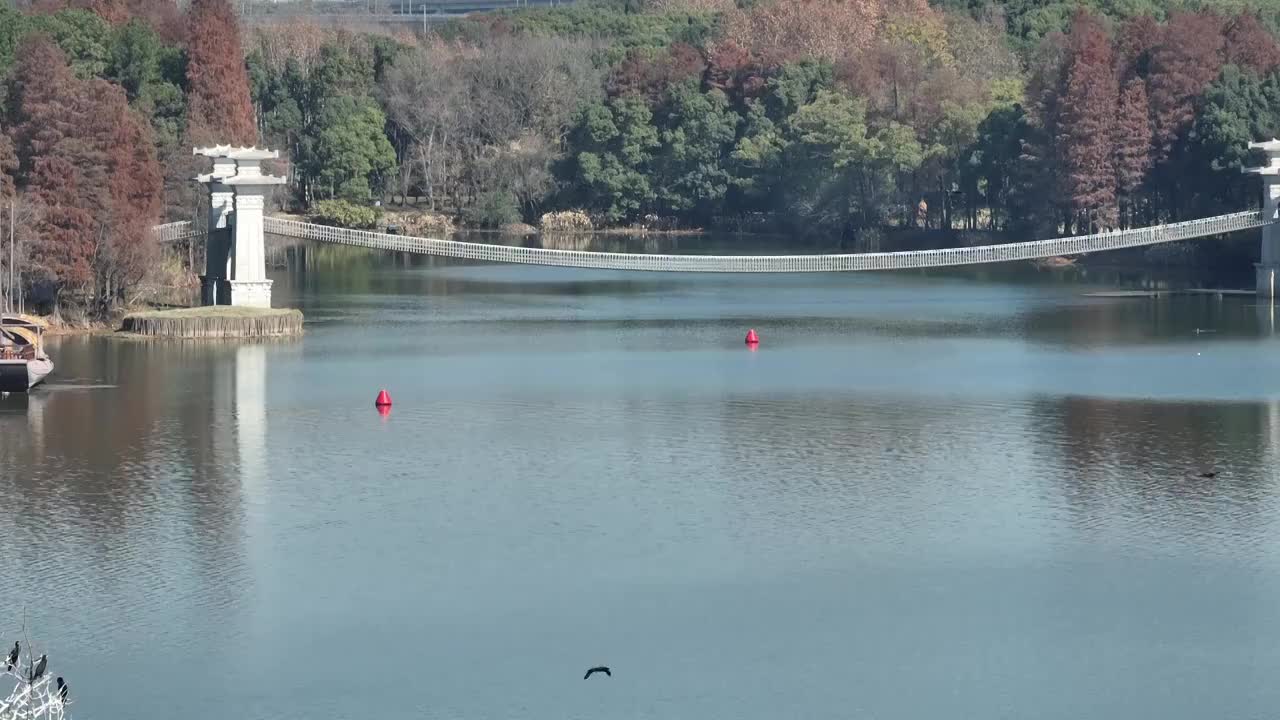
<point x="384" y="11"/>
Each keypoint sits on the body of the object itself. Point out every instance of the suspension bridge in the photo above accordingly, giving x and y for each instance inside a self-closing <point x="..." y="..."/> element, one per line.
<point x="236" y="188"/>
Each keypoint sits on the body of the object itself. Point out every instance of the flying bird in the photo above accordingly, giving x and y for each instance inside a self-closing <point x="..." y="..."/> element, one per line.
<point x="40" y="668"/>
<point x="601" y="668"/>
<point x="13" y="657"/>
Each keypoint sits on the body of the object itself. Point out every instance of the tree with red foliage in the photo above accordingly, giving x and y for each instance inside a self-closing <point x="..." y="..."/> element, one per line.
<point x="735" y="71"/>
<point x="219" y="107"/>
<point x="1184" y="63"/>
<point x="651" y="75"/>
<point x="1086" y="116"/>
<point x="1132" y="141"/>
<point x="89" y="162"/>
<point x="1250" y="46"/>
<point x="1134" y="43"/>
<point x="137" y="191"/>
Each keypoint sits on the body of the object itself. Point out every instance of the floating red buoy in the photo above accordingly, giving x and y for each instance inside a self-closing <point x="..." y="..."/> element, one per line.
<point x="384" y="400"/>
<point x="752" y="338"/>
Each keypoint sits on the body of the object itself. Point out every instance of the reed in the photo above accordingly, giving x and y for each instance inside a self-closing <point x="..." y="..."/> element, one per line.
<point x="217" y="321"/>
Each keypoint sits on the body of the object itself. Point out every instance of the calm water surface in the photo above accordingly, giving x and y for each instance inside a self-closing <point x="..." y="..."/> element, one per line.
<point x="971" y="496"/>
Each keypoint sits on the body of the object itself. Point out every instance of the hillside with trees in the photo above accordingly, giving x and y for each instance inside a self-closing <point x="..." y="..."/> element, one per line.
<point x="830" y="117"/>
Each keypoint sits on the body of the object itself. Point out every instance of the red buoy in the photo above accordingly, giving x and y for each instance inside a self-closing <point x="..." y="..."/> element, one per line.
<point x="752" y="338"/>
<point x="384" y="400"/>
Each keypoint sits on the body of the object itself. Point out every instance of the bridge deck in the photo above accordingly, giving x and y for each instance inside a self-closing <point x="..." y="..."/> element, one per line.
<point x="846" y="262"/>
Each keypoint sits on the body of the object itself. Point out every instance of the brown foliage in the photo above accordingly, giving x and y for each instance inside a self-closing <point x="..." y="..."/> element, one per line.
<point x="1134" y="44"/>
<point x="1085" y="121"/>
<point x="733" y="69"/>
<point x="1250" y="46"/>
<point x="137" y="189"/>
<point x="219" y="107"/>
<point x="782" y="31"/>
<point x="61" y="257"/>
<point x="649" y="75"/>
<point x="1132" y="138"/>
<point x="694" y="6"/>
<point x="1187" y="59"/>
<point x="89" y="162"/>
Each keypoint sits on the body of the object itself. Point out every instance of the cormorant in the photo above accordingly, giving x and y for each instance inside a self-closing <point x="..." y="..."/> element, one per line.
<point x="1209" y="475"/>
<point x="13" y="657"/>
<point x="40" y="668"/>
<point x="601" y="668"/>
<point x="62" y="690"/>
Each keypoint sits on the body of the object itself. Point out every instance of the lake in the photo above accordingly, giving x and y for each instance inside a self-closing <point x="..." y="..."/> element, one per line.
<point x="971" y="495"/>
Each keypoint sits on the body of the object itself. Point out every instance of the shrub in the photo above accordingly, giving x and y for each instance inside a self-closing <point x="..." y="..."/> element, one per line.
<point x="342" y="213"/>
<point x="494" y="209"/>
<point x="566" y="221"/>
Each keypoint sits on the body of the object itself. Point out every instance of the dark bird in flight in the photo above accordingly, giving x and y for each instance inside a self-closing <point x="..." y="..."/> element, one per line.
<point x="13" y="657"/>
<point x="62" y="690"/>
<point x="601" y="668"/>
<point x="1209" y="475"/>
<point x="40" y="668"/>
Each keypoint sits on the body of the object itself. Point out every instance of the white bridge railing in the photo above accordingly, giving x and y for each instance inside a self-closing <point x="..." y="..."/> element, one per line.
<point x="175" y="231"/>
<point x="1032" y="250"/>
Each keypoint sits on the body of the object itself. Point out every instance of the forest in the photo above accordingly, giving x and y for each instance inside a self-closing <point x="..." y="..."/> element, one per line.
<point x="841" y="118"/>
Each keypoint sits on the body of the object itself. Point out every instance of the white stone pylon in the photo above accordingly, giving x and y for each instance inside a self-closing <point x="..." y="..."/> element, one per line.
<point x="236" y="267"/>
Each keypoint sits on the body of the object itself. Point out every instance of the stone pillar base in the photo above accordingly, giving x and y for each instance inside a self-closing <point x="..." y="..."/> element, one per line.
<point x="251" y="293"/>
<point x="208" y="290"/>
<point x="1268" y="279"/>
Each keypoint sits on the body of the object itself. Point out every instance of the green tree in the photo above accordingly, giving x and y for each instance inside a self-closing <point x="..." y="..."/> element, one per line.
<point x="698" y="130"/>
<point x="352" y="158"/>
<point x="82" y="35"/>
<point x="1238" y="108"/>
<point x="615" y="144"/>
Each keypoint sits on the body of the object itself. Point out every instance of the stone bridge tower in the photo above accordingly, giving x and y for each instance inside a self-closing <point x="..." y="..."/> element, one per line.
<point x="235" y="256"/>
<point x="1268" y="268"/>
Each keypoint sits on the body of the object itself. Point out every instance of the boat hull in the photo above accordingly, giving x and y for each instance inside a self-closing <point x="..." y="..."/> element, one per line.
<point x="22" y="375"/>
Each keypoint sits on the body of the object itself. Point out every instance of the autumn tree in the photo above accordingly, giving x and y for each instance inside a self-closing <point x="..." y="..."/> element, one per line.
<point x="781" y="31"/>
<point x="219" y="106"/>
<point x="1084" y="125"/>
<point x="1132" y="142"/>
<point x="89" y="162"/>
<point x="650" y="74"/>
<point x="127" y="248"/>
<point x="1135" y="41"/>
<point x="1250" y="46"/>
<point x="1187" y="59"/>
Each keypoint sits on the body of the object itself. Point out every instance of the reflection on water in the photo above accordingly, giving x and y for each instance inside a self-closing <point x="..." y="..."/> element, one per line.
<point x="941" y="496"/>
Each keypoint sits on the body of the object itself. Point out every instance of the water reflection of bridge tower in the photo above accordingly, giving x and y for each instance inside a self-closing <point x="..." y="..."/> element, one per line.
<point x="251" y="420"/>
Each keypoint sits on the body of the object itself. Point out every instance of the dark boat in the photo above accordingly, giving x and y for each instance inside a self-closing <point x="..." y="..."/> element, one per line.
<point x="23" y="362"/>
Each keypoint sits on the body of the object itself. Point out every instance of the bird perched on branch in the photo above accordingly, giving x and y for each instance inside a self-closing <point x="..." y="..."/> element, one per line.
<point x="601" y="668"/>
<point x="40" y="668"/>
<point x="62" y="690"/>
<point x="13" y="657"/>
